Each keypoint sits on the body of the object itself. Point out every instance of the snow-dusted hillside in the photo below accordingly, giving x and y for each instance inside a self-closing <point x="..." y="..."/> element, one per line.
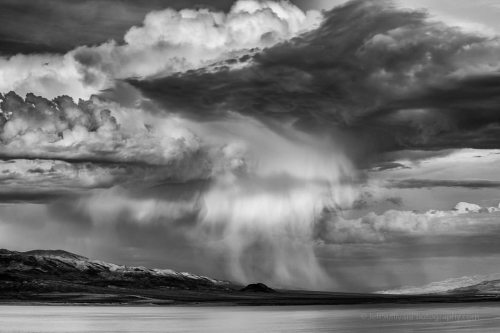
<point x="58" y="267"/>
<point x="462" y="284"/>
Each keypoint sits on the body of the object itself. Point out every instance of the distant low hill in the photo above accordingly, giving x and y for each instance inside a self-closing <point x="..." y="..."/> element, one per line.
<point x="258" y="288"/>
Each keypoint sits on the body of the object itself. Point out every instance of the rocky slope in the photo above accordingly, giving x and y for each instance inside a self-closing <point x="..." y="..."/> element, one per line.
<point x="57" y="270"/>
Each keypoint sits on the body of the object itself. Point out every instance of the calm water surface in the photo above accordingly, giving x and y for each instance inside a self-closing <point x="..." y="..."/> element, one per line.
<point x="407" y="318"/>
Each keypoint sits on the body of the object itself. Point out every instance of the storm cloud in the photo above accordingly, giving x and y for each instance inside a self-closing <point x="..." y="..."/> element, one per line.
<point x="51" y="26"/>
<point x="371" y="70"/>
<point x="168" y="41"/>
<point x="269" y="139"/>
<point x="422" y="183"/>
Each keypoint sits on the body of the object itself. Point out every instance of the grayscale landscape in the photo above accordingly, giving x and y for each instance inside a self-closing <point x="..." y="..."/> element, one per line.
<point x="249" y="165"/>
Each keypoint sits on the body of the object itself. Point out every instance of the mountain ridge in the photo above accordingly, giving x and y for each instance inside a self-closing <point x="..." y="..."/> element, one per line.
<point x="61" y="277"/>
<point x="58" y="269"/>
<point x="55" y="253"/>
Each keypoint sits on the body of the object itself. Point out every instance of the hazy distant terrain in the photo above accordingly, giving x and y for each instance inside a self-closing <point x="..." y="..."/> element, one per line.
<point x="56" y="276"/>
<point x="476" y="285"/>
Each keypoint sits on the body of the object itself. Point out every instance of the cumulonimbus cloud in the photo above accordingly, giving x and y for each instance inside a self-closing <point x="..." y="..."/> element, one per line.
<point x="169" y="41"/>
<point x="260" y="193"/>
<point x="371" y="69"/>
<point x="253" y="205"/>
<point x="102" y="153"/>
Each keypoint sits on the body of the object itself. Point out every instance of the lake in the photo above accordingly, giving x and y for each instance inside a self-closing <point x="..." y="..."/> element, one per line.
<point x="381" y="318"/>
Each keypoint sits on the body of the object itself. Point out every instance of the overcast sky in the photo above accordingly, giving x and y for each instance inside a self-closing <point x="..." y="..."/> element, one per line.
<point x="332" y="145"/>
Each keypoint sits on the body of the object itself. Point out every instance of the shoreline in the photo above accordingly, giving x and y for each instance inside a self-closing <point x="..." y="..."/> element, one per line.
<point x="235" y="299"/>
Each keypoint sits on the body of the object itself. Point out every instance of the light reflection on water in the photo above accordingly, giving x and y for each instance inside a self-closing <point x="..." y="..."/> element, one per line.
<point x="406" y="318"/>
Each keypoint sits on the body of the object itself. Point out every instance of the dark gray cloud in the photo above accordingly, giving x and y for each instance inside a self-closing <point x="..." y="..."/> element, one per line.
<point x="427" y="183"/>
<point x="36" y="26"/>
<point x="58" y="26"/>
<point x="35" y="196"/>
<point x="384" y="166"/>
<point x="389" y="78"/>
<point x="413" y="156"/>
<point x="367" y="200"/>
<point x="459" y="114"/>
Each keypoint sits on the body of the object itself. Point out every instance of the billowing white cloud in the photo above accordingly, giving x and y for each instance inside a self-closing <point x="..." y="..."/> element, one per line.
<point x="248" y="24"/>
<point x="30" y="176"/>
<point x="169" y="41"/>
<point x="93" y="130"/>
<point x="395" y="225"/>
<point x="49" y="75"/>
